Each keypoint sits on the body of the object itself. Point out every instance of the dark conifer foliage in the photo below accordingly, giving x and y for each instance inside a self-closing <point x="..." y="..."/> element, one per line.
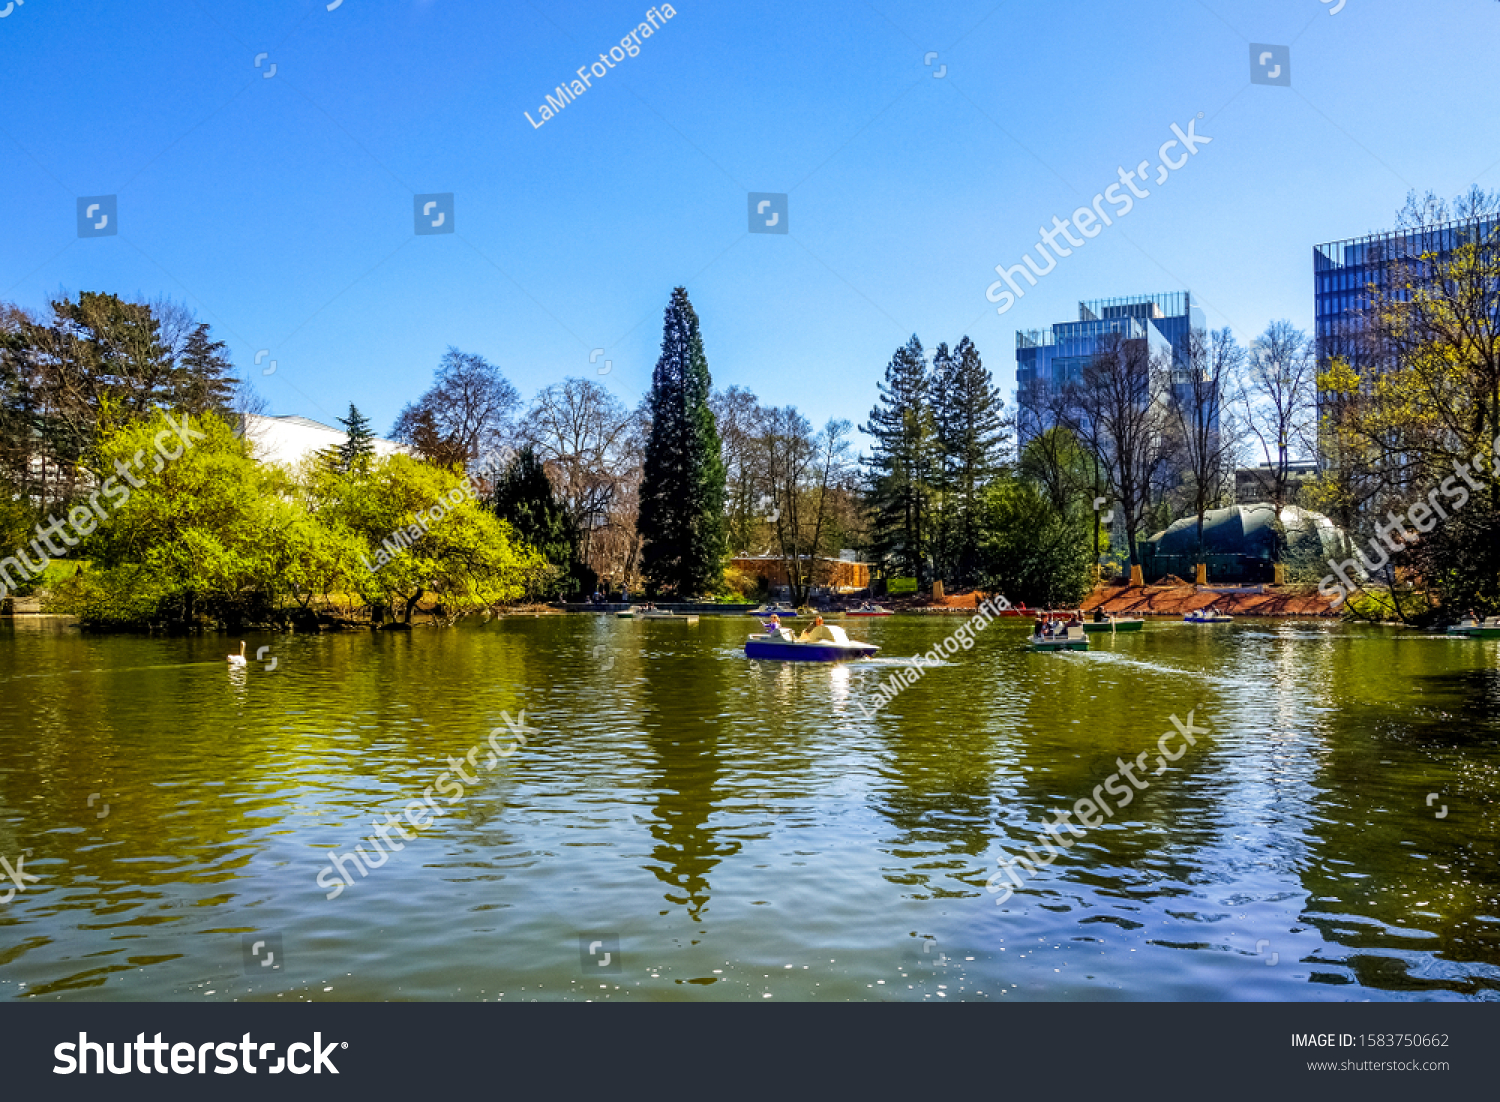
<point x="358" y="448"/>
<point x="524" y="497"/>
<point x="682" y="522"/>
<point x="973" y="438"/>
<point x="901" y="466"/>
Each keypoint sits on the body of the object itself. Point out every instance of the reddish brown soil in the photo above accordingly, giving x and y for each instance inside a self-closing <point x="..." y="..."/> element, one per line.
<point x="1155" y="600"/>
<point x="1174" y="600"/>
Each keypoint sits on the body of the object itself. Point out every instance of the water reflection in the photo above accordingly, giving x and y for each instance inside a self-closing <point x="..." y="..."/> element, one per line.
<point x="729" y="818"/>
<point x="681" y="720"/>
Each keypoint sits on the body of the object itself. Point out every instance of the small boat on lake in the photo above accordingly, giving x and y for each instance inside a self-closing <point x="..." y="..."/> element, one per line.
<point x="774" y="610"/>
<point x="869" y="608"/>
<point x="1472" y="627"/>
<point x="832" y="645"/>
<point x="1113" y="625"/>
<point x="1060" y="636"/>
<point x="665" y="614"/>
<point x="1208" y="615"/>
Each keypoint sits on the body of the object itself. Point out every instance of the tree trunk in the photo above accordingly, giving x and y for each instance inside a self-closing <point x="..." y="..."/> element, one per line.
<point x="411" y="606"/>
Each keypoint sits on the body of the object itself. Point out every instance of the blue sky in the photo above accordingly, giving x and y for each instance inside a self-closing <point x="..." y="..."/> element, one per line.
<point x="281" y="207"/>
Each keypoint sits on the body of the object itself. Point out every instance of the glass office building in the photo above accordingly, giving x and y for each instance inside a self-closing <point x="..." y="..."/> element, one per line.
<point x="1049" y="359"/>
<point x="1350" y="276"/>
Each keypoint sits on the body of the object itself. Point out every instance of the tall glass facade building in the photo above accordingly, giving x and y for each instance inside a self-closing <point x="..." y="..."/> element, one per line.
<point x="1350" y="275"/>
<point x="1049" y="359"/>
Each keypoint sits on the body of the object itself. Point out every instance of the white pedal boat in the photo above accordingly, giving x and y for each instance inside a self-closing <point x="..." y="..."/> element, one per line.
<point x="833" y="645"/>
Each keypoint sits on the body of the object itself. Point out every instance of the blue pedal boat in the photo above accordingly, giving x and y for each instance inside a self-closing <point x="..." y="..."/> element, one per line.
<point x="832" y="646"/>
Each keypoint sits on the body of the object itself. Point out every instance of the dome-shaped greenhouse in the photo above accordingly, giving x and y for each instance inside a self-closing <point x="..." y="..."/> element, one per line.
<point x="1242" y="543"/>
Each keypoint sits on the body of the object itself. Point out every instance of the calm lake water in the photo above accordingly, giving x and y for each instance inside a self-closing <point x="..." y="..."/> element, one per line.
<point x="737" y="830"/>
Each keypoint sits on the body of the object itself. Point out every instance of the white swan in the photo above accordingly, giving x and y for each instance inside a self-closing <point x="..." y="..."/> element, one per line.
<point x="238" y="659"/>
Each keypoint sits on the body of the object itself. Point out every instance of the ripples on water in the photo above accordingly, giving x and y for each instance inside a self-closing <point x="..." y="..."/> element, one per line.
<point x="749" y="830"/>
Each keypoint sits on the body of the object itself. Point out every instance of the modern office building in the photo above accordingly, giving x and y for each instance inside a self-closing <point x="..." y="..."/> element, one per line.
<point x="1049" y="359"/>
<point x="1256" y="484"/>
<point x="1349" y="276"/>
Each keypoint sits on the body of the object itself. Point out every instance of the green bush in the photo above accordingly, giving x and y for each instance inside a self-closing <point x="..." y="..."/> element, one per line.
<point x="1031" y="553"/>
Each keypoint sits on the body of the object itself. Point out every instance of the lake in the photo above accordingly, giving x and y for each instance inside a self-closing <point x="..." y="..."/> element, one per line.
<point x="672" y="821"/>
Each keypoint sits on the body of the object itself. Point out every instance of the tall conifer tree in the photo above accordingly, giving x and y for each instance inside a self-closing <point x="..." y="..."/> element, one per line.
<point x="681" y="520"/>
<point x="900" y="466"/>
<point x="972" y="435"/>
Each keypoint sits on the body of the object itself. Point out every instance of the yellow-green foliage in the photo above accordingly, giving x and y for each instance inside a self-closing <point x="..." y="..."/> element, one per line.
<point x="213" y="534"/>
<point x="461" y="553"/>
<point x="197" y="534"/>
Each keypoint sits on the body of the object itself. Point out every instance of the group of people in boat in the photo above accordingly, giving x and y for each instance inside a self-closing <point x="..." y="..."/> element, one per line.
<point x="1056" y="627"/>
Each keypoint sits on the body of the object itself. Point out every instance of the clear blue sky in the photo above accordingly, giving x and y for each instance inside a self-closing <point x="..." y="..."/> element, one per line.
<point x="281" y="208"/>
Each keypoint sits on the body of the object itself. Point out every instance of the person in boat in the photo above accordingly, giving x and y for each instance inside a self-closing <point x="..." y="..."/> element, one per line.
<point x="1041" y="625"/>
<point x="1098" y="614"/>
<point x="775" y="630"/>
<point x="816" y="633"/>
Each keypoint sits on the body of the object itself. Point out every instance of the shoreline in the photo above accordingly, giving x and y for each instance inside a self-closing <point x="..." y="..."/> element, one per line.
<point x="1166" y="601"/>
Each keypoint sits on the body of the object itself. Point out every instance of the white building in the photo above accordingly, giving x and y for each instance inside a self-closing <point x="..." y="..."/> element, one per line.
<point x="287" y="441"/>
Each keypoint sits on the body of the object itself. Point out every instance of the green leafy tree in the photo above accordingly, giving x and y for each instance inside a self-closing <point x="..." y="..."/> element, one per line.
<point x="208" y="536"/>
<point x="423" y="534"/>
<point x="1029" y="551"/>
<point x="681" y="518"/>
<point x="1070" y="477"/>
<point x="1420" y="419"/>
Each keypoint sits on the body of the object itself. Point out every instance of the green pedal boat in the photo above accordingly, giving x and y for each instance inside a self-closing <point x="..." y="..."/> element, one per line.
<point x="1072" y="639"/>
<point x="1477" y="629"/>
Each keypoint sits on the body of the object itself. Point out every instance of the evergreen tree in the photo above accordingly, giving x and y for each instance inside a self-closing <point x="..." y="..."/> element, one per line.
<point x="681" y="519"/>
<point x="900" y="467"/>
<point x="972" y="436"/>
<point x="201" y="375"/>
<point x="96" y="363"/>
<point x="524" y="497"/>
<point x="358" y="447"/>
